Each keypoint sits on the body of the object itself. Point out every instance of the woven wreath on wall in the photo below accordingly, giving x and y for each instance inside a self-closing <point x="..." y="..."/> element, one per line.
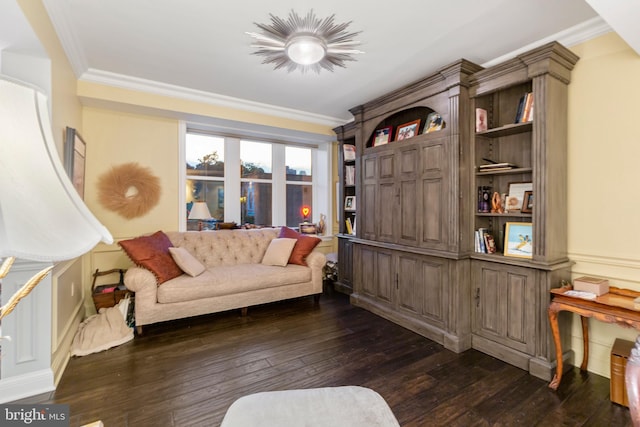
<point x="129" y="189"/>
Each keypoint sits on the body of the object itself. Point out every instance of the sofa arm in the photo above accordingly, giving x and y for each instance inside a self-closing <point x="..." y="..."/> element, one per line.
<point x="139" y="280"/>
<point x="316" y="260"/>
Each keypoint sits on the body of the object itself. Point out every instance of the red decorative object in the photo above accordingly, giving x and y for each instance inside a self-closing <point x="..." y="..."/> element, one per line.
<point x="305" y="211"/>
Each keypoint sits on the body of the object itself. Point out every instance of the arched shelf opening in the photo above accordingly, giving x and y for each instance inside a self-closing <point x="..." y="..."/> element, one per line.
<point x="404" y="125"/>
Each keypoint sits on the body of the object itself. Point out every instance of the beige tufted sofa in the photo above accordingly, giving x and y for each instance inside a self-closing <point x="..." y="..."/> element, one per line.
<point x="234" y="278"/>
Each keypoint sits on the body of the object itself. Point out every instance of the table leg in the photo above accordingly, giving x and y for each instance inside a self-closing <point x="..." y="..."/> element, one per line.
<point x="585" y="342"/>
<point x="553" y="320"/>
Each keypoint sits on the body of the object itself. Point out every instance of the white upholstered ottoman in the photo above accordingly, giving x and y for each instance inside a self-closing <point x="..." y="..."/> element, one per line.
<point x="319" y="407"/>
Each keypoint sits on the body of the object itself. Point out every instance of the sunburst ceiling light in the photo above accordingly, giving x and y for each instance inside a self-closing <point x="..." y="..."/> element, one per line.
<point x="307" y="43"/>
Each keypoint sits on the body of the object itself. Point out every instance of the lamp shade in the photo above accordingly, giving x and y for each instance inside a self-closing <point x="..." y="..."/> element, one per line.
<point x="199" y="210"/>
<point x="42" y="217"/>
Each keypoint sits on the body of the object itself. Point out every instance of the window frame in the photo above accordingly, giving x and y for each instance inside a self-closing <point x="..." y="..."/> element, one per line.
<point x="321" y="164"/>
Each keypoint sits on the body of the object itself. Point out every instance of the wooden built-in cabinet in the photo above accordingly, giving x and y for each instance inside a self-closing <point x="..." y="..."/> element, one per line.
<point x="413" y="255"/>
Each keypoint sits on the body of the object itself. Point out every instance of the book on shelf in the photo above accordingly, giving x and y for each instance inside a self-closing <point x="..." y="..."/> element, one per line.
<point x="484" y="241"/>
<point x="349" y="152"/>
<point x="348" y="225"/>
<point x="496" y="166"/>
<point x="350" y="175"/>
<point x="523" y="113"/>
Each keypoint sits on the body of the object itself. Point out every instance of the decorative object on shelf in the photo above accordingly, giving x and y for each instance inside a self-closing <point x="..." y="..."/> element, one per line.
<point x="527" y="203"/>
<point x="200" y="211"/>
<point x="496" y="203"/>
<point x="305" y="210"/>
<point x="484" y="199"/>
<point x="407" y="130"/>
<point x="74" y="159"/>
<point x="129" y="189"/>
<point x="382" y="136"/>
<point x="349" y="152"/>
<point x="518" y="239"/>
<point x="43" y="217"/>
<point x="350" y="203"/>
<point x="481" y="120"/>
<point x="515" y="198"/>
<point x="434" y="123"/>
<point x="322" y="224"/>
<point x="305" y="43"/>
<point x="308" y="228"/>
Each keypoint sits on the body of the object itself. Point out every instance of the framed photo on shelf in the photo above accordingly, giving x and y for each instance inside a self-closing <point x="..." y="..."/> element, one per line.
<point x="407" y="130"/>
<point x="382" y="136"/>
<point x="518" y="239"/>
<point x="350" y="203"/>
<point x="434" y="123"/>
<point x="527" y="204"/>
<point x="515" y="197"/>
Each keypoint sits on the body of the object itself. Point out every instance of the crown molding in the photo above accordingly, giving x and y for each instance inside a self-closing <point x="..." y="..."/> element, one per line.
<point x="577" y="34"/>
<point x="68" y="38"/>
<point x="173" y="91"/>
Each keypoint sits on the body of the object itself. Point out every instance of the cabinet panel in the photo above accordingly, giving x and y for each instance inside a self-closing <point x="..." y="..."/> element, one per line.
<point x="432" y="209"/>
<point x="345" y="265"/>
<point x="410" y="293"/>
<point x="505" y="305"/>
<point x="369" y="216"/>
<point x="366" y="280"/>
<point x="386" y="212"/>
<point x="384" y="277"/>
<point x="434" y="278"/>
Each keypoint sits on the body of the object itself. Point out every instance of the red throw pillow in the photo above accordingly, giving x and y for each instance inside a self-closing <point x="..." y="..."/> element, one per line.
<point x="303" y="247"/>
<point x="152" y="253"/>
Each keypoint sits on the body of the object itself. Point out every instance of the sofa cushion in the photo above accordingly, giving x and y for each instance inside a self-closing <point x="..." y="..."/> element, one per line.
<point x="303" y="247"/>
<point x="278" y="252"/>
<point x="152" y="253"/>
<point x="187" y="262"/>
<point x="226" y="280"/>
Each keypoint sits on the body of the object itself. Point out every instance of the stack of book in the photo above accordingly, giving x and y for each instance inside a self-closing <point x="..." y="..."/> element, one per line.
<point x="493" y="167"/>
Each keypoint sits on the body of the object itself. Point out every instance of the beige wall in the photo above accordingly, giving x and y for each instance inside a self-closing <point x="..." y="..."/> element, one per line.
<point x="604" y="148"/>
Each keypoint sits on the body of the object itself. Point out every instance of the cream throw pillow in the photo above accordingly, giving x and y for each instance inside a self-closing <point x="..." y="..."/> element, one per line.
<point x="278" y="252"/>
<point x="187" y="262"/>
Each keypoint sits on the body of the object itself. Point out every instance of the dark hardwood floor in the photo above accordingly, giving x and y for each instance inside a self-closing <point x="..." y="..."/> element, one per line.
<point x="188" y="372"/>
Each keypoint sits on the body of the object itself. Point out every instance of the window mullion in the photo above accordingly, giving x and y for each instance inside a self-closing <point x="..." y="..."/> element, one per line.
<point x="279" y="190"/>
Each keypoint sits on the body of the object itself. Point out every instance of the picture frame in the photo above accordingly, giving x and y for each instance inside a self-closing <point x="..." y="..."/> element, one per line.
<point x="515" y="197"/>
<point x="435" y="122"/>
<point x="74" y="154"/>
<point x="527" y="203"/>
<point x="407" y="130"/>
<point x="382" y="136"/>
<point x="350" y="203"/>
<point x="518" y="239"/>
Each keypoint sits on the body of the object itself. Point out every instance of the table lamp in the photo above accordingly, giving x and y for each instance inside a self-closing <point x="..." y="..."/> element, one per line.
<point x="200" y="211"/>
<point x="42" y="217"/>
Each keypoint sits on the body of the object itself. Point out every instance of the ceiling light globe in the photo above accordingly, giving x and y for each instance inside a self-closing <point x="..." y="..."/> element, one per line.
<point x="306" y="50"/>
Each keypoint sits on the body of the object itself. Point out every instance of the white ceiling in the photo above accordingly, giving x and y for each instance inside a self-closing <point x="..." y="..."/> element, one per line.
<point x="199" y="47"/>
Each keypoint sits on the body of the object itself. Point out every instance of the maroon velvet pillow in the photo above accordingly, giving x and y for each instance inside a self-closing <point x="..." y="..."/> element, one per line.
<point x="303" y="247"/>
<point x="152" y="253"/>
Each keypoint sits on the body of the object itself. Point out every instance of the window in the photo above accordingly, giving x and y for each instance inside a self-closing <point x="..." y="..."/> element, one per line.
<point x="299" y="183"/>
<point x="256" y="181"/>
<point x="204" y="155"/>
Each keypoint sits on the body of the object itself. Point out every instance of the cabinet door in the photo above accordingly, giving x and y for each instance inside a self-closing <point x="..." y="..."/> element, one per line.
<point x="505" y="305"/>
<point x="345" y="262"/>
<point x="369" y="199"/>
<point x="387" y="207"/>
<point x="409" y="217"/>
<point x="376" y="277"/>
<point x="436" y="198"/>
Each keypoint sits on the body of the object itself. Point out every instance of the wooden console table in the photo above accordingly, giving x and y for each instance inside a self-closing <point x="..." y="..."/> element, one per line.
<point x="614" y="307"/>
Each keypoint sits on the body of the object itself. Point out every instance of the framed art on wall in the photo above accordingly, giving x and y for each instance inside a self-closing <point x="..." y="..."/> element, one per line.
<point x="74" y="159"/>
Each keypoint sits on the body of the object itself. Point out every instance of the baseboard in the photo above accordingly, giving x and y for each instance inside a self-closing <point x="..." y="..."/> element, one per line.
<point x="27" y="385"/>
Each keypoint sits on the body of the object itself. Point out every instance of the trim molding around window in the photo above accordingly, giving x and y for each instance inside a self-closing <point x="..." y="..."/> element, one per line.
<point x="320" y="184"/>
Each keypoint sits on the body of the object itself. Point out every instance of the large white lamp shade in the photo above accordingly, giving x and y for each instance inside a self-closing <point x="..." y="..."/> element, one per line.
<point x="42" y="217"/>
